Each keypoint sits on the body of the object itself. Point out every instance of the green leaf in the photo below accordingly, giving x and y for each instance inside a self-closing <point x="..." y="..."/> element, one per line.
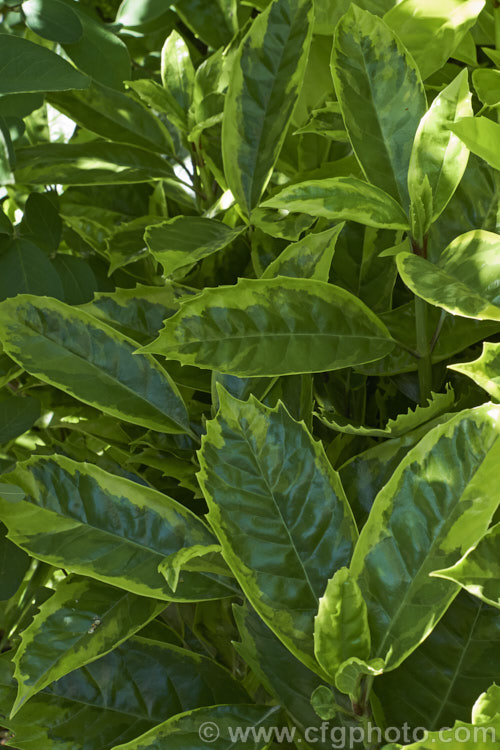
<point x="352" y="670"/>
<point x="105" y="527"/>
<point x="479" y="570"/>
<point x="78" y="279"/>
<point x="440" y="681"/>
<point x="309" y="258"/>
<point x="18" y="415"/>
<point x="28" y="67"/>
<point x="260" y="328"/>
<point x="98" y="162"/>
<point x="184" y="240"/>
<point x="432" y="31"/>
<point x="24" y="267"/>
<point x="487" y="85"/>
<point x="19" y="105"/>
<point x="14" y="562"/>
<point x="281" y="564"/>
<point x="203" y="558"/>
<point x="485" y="709"/>
<point x="97" y="705"/>
<point x="140" y="312"/>
<point x="438" y="158"/>
<point x="53" y="20"/>
<point x="481" y="136"/>
<point x="114" y="115"/>
<point x="177" y="75"/>
<point x="342" y="198"/>
<point x="464" y="281"/>
<point x="41" y="222"/>
<point x="131" y="13"/>
<point x="323" y="702"/>
<point x="437" y="503"/>
<point x="265" y="81"/>
<point x="437" y="404"/>
<point x="381" y="112"/>
<point x="220" y="724"/>
<point x="214" y="21"/>
<point x="341" y="626"/>
<point x="73" y="351"/>
<point x="99" y="53"/>
<point x="6" y="174"/>
<point x="82" y="620"/>
<point x="485" y="370"/>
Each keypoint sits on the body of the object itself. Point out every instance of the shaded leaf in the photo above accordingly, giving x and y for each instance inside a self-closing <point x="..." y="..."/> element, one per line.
<point x="18" y="415"/>
<point x="53" y="20"/>
<point x="309" y="258"/>
<point x="24" y="267"/>
<point x="83" y="620"/>
<point x="28" y="67"/>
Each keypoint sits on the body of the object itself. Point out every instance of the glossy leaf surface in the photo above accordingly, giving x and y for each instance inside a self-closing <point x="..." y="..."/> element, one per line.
<point x="444" y="492"/>
<point x="73" y="351"/>
<point x="342" y="198"/>
<point x="263" y="90"/>
<point x="463" y="282"/>
<point x="341" y="628"/>
<point x="103" y="526"/>
<point x="381" y="111"/>
<point x="28" y="67"/>
<point x="438" y="158"/>
<point x="185" y="240"/>
<point x="256" y="513"/>
<point x="479" y="571"/>
<point x="83" y="620"/>
<point x="262" y="327"/>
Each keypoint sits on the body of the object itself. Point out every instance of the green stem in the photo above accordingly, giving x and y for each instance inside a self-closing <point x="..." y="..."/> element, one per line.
<point x="496" y="16"/>
<point x="424" y="350"/>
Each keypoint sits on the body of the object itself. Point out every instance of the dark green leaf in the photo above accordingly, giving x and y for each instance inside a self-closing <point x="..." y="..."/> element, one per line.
<point x="381" y="111"/>
<point x="41" y="222"/>
<point x="439" y="502"/>
<point x="28" y="67"/>
<point x="282" y="564"/>
<point x="105" y="527"/>
<point x="91" y="361"/>
<point x="264" y="85"/>
<point x="78" y="279"/>
<point x="260" y="327"/>
<point x="18" y="415"/>
<point x="82" y="620"/>
<point x="24" y="268"/>
<point x="53" y="20"/>
<point x="14" y="562"/>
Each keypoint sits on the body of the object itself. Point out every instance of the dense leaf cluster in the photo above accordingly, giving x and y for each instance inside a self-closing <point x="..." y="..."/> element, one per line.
<point x="249" y="374"/>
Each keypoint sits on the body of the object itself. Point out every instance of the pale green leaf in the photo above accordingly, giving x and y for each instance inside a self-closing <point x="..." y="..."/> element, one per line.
<point x="352" y="670"/>
<point x="479" y="570"/>
<point x="309" y="258"/>
<point x="341" y="626"/>
<point x="184" y="240"/>
<point x="432" y="31"/>
<point x="482" y="136"/>
<point x="438" y="158"/>
<point x="487" y="85"/>
<point x="177" y="74"/>
<point x="465" y="279"/>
